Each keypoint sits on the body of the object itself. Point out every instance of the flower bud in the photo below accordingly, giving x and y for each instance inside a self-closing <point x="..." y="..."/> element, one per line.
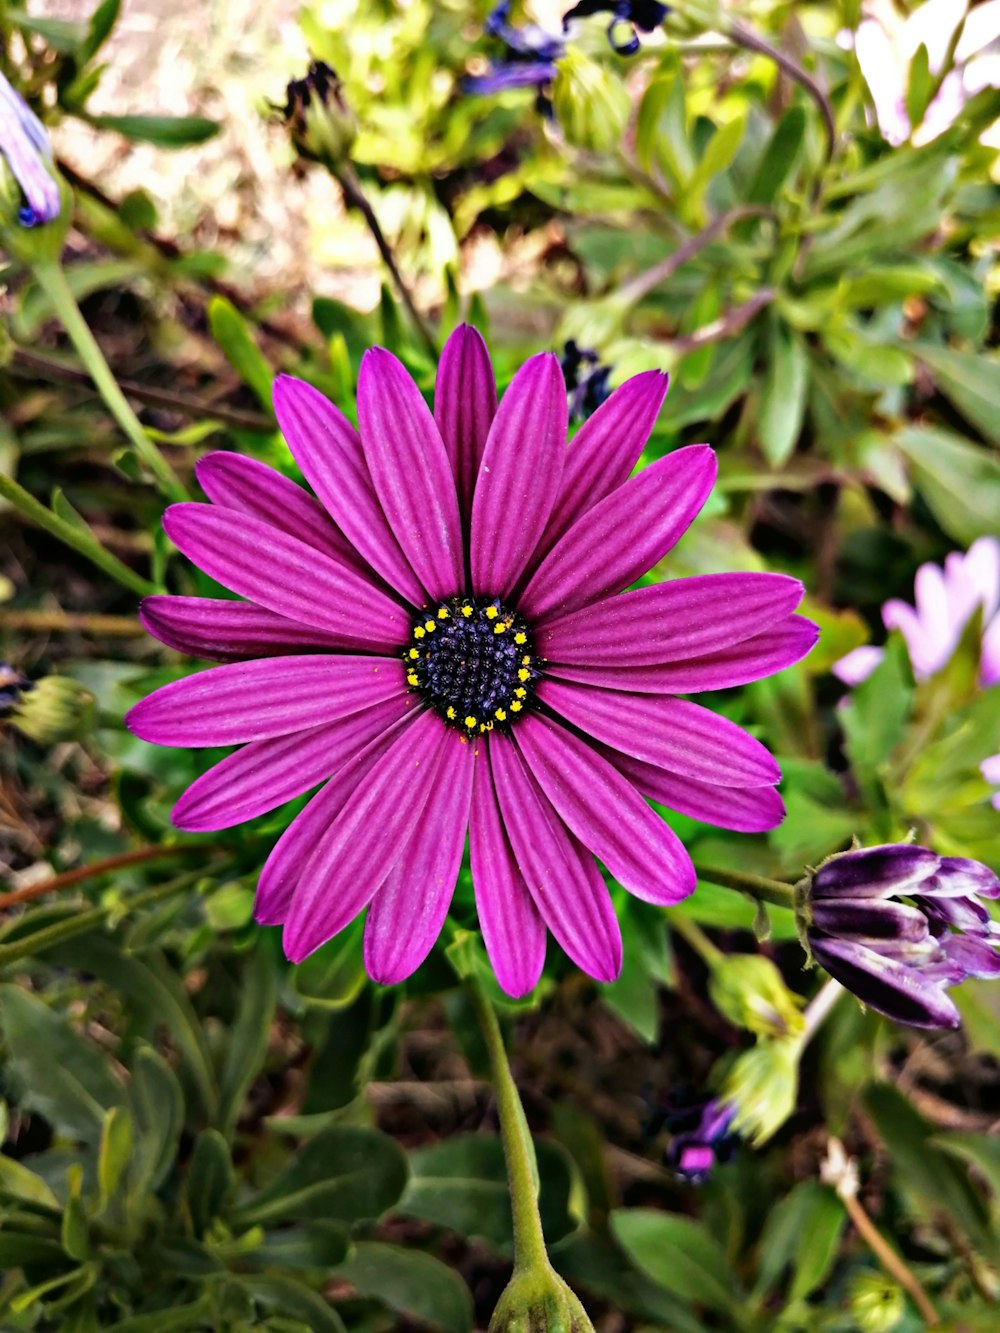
<point x="539" y="1302"/>
<point x="55" y="708"/>
<point x="591" y="103"/>
<point x="763" y="1087"/>
<point x="322" y="124"/>
<point x="748" y="990"/>
<point x="34" y="213"/>
<point x="877" y="1303"/>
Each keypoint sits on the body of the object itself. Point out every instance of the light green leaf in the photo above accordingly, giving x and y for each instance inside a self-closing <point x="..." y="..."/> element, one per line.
<point x="164" y="131"/>
<point x="678" y="1253"/>
<point x="971" y="380"/>
<point x="231" y="331"/>
<point x="783" y="392"/>
<point x="410" y="1282"/>
<point x="20" y="1183"/>
<point x="959" y="480"/>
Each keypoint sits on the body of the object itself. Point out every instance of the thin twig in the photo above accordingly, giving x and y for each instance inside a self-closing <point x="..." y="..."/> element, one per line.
<point x="752" y="42"/>
<point x="648" y="281"/>
<point x="68" y="878"/>
<point x="69" y="622"/>
<point x="727" y="325"/>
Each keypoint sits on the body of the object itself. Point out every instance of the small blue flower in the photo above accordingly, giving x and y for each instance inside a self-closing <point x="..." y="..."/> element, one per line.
<point x="646" y="15"/>
<point x="586" y="380"/>
<point x="25" y="145"/>
<point x="700" y="1138"/>
<point x="529" y="57"/>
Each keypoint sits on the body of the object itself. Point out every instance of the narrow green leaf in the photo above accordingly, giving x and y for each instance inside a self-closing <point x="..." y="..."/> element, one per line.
<point x="164" y="131"/>
<point x="231" y="331"/>
<point x="210" y="1179"/>
<point x="959" y="480"/>
<point x="19" y="1182"/>
<point x="779" y="158"/>
<point x="971" y="381"/>
<point x="156" y="1104"/>
<point x="103" y="19"/>
<point x="294" y="1300"/>
<point x="248" y="1040"/>
<point x="114" y="1152"/>
<point x="783" y="392"/>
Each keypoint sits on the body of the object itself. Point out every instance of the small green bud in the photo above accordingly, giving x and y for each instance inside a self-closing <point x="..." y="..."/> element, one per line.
<point x="591" y="103"/>
<point x="322" y="124"/>
<point x="56" y="708"/>
<point x="539" y="1302"/>
<point x="877" y="1303"/>
<point x="748" y="990"/>
<point x="763" y="1085"/>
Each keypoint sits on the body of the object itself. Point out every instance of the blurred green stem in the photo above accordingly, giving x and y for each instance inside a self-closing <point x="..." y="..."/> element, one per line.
<point x="52" y="280"/>
<point x="80" y="539"/>
<point x="757" y="886"/>
<point x="696" y="938"/>
<point x="643" y="283"/>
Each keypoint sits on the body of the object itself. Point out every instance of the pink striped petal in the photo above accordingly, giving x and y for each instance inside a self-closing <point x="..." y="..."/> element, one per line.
<point x="411" y="472"/>
<point x="465" y="403"/>
<point x="253" y="559"/>
<point x="406" y="915"/>
<point x="272" y="696"/>
<point x="560" y="873"/>
<point x="265" y="774"/>
<point x="751" y="659"/>
<point x="623" y="536"/>
<point x="603" y="452"/>
<point x="519" y="476"/>
<point x="237" y="482"/>
<point x="671" y="733"/>
<point x="744" y="809"/>
<point x="356" y="855"/>
<point x="513" y="931"/>
<point x="291" y="853"/>
<point x="329" y="451"/>
<point x="669" y="622"/>
<point x="212" y="627"/>
<point x="606" y="813"/>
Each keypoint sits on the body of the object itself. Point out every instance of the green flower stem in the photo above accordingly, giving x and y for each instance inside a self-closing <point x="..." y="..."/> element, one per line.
<point x="52" y="280"/>
<point x="696" y="937"/>
<point x="529" y="1242"/>
<point x="757" y="886"/>
<point x="82" y="541"/>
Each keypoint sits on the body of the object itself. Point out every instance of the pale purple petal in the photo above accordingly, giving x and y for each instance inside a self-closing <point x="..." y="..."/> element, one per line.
<point x="606" y="813"/>
<point x="603" y="452"/>
<point x="975" y="957"/>
<point x="744" y="809"/>
<point x="329" y="451"/>
<point x="669" y="622"/>
<point x="250" y="701"/>
<point x="355" y="856"/>
<point x="291" y="853"/>
<point x="752" y="659"/>
<point x="410" y="471"/>
<point x="265" y="774"/>
<point x="989" y="662"/>
<point x="560" y="873"/>
<point x="905" y="993"/>
<point x="228" y="630"/>
<point x="990" y="768"/>
<point x="858" y="665"/>
<point x="670" y="733"/>
<point x="465" y="403"/>
<point x="512" y="929"/>
<point x="275" y="570"/>
<point x="237" y="482"/>
<point x="623" y="536"/>
<point x="406" y="915"/>
<point x="519" y="475"/>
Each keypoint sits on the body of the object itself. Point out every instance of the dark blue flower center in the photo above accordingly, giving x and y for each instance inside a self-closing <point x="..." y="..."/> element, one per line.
<point x="474" y="661"/>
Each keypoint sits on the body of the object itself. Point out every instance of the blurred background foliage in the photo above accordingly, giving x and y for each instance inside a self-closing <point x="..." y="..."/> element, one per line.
<point x="199" y="1136"/>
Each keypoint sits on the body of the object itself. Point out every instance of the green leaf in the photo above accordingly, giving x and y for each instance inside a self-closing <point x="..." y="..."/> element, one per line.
<point x="783" y="392"/>
<point x="156" y="1103"/>
<point x="103" y="19"/>
<point x="412" y="1283"/>
<point x="56" y="1072"/>
<point x="62" y="508"/>
<point x="921" y="85"/>
<point x="874" y="718"/>
<point x="970" y="380"/>
<point x="164" y="131"/>
<point x="61" y="34"/>
<point x="114" y="1152"/>
<point x="231" y="331"/>
<point x="169" y="1319"/>
<point x="678" y="1253"/>
<point x="18" y="1248"/>
<point x="343" y="1174"/>
<point x="210" y="1179"/>
<point x="332" y="977"/>
<point x="248" y="1041"/>
<point x="294" y="1300"/>
<point x="779" y="158"/>
<point x="959" y="480"/>
<point x="18" y="1182"/>
<point x="318" y="1245"/>
<point x="75" y="1228"/>
<point x="981" y="1151"/>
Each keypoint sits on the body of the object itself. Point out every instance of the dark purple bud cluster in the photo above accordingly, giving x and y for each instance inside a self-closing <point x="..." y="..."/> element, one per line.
<point x="586" y="380"/>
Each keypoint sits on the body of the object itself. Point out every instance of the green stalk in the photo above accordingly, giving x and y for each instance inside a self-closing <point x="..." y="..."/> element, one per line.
<point x="52" y="280"/>
<point x="757" y="886"/>
<point x="82" y="541"/>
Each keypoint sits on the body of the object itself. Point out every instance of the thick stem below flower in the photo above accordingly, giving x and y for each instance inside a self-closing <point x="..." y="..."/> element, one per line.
<point x="757" y="886"/>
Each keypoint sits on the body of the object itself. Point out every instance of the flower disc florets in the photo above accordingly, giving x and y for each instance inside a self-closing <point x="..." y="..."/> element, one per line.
<point x="474" y="661"/>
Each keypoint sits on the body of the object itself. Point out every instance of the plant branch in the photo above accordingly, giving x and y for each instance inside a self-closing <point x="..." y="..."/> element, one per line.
<point x="727" y="324"/>
<point x="79" y="875"/>
<point x="757" y="886"/>
<point x="69" y="622"/>
<point x="750" y="41"/>
<point x="646" y="282"/>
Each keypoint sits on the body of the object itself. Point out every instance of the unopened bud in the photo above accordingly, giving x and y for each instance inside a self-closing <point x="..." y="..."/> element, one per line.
<point x="322" y="124"/>
<point x="877" y="1303"/>
<point x="748" y="990"/>
<point x="539" y="1302"/>
<point x="762" y="1085"/>
<point x="55" y="708"/>
<point x="591" y="103"/>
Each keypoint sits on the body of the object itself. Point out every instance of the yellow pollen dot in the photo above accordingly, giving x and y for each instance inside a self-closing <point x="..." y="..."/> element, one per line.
<point x="414" y="652"/>
<point x="501" y="715"/>
<point x="466" y="610"/>
<point x="429" y="626"/>
<point x="412" y="678"/>
<point x="418" y="633"/>
<point x="524" y="675"/>
<point x="499" y="629"/>
<point x="520" y="693"/>
<point x="516" y="706"/>
<point x="520" y="638"/>
<point x="491" y="613"/>
<point x="451" y="715"/>
<point x="526" y="660"/>
<point x="470" y="721"/>
<point x="443" y="613"/>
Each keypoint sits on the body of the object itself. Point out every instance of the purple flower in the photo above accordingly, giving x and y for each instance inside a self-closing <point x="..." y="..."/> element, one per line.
<point x="646" y="15"/>
<point x="529" y="60"/>
<point x="946" y="599"/>
<point x="898" y="925"/>
<point x="12" y="686"/>
<point x="442" y="638"/>
<point x="701" y="1138"/>
<point x="586" y="380"/>
<point x="25" y="145"/>
<point x="990" y="769"/>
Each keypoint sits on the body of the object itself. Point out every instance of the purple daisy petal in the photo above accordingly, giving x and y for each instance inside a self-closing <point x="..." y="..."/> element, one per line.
<point x="869" y="919"/>
<point x="682" y="737"/>
<point x="623" y="536"/>
<point x="560" y="873"/>
<point x="237" y="482"/>
<point x="266" y="774"/>
<point x="603" y="452"/>
<point x="751" y="659"/>
<point x="214" y="628"/>
<point x="410" y="471"/>
<point x="290" y="855"/>
<point x="272" y="696"/>
<point x="874" y="872"/>
<point x="513" y="931"/>
<point x="744" y="809"/>
<point x="976" y="958"/>
<point x="960" y="913"/>
<point x="903" y="993"/>
<point x="606" y="813"/>
<point x="465" y="403"/>
<point x="406" y="915"/>
<point x="958" y="876"/>
<point x="275" y="570"/>
<point x="329" y="451"/>
<point x="356" y="854"/>
<point x="669" y="622"/>
<point x="519" y="475"/>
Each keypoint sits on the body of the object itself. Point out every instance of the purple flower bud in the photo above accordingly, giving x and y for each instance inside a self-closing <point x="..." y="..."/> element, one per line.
<point x="25" y="145"/>
<point x="900" y="957"/>
<point x="701" y="1139"/>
